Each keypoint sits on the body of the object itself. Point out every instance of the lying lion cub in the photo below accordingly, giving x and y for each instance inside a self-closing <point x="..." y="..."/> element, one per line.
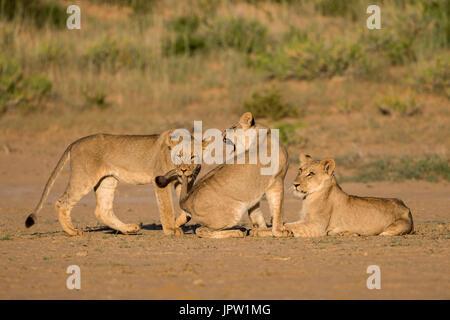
<point x="328" y="210"/>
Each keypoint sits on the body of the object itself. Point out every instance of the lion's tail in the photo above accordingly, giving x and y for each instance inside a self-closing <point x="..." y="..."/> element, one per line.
<point x="32" y="218"/>
<point x="412" y="221"/>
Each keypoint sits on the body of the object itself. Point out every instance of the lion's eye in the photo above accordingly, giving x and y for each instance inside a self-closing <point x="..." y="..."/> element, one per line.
<point x="310" y="174"/>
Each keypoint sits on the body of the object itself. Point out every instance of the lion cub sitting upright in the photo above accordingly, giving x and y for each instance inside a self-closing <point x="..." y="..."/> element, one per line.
<point x="328" y="210"/>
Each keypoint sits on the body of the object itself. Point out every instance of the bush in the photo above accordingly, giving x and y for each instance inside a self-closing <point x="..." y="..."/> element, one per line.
<point x="434" y="77"/>
<point x="397" y="49"/>
<point x="437" y="13"/>
<point x="429" y="167"/>
<point x="243" y="35"/>
<point x="138" y="6"/>
<point x="289" y="132"/>
<point x="190" y="34"/>
<point x="343" y="8"/>
<point x="96" y="98"/>
<point x="186" y="39"/>
<point x="51" y="52"/>
<point x="40" y="12"/>
<point x="308" y="59"/>
<point x="430" y="17"/>
<point x="20" y="92"/>
<point x="405" y="105"/>
<point x="270" y="104"/>
<point x="109" y="55"/>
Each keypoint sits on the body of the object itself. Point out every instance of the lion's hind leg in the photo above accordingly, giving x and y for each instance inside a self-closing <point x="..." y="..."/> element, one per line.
<point x="305" y="229"/>
<point x="263" y="232"/>
<point x="74" y="192"/>
<point x="339" y="232"/>
<point x="399" y="227"/>
<point x="205" y="232"/>
<point x="256" y="217"/>
<point x="104" y="210"/>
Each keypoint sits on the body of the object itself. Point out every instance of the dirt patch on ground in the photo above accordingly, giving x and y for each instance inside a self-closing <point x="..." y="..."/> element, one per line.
<point x="150" y="265"/>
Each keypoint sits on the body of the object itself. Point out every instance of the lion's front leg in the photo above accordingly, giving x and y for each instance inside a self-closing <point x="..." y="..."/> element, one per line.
<point x="184" y="217"/>
<point x="167" y="212"/>
<point x="305" y="229"/>
<point x="275" y="198"/>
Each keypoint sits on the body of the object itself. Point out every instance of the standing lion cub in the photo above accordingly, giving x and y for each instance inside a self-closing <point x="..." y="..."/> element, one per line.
<point x="99" y="162"/>
<point x="328" y="210"/>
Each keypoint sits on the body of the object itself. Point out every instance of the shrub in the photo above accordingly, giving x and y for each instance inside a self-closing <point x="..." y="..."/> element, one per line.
<point x="241" y="34"/>
<point x="430" y="17"/>
<point x="437" y="13"/>
<point x="405" y="105"/>
<point x="346" y="8"/>
<point x="138" y="6"/>
<point x="270" y="104"/>
<point x="109" y="55"/>
<point x="289" y="132"/>
<point x="434" y="77"/>
<point x="41" y="13"/>
<point x="191" y="34"/>
<point x="183" y="44"/>
<point x="96" y="98"/>
<point x="429" y="167"/>
<point x="186" y="39"/>
<point x="308" y="59"/>
<point x="17" y="91"/>
<point x="51" y="52"/>
<point x="188" y="24"/>
<point x="396" y="48"/>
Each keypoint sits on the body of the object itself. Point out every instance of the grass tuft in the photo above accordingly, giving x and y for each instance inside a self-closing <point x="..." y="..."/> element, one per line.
<point x="430" y="168"/>
<point x="270" y="104"/>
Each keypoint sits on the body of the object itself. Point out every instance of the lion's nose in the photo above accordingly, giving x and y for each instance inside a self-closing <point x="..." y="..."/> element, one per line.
<point x="183" y="170"/>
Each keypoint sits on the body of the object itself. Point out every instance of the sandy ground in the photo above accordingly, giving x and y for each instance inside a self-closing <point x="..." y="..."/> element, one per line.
<point x="150" y="265"/>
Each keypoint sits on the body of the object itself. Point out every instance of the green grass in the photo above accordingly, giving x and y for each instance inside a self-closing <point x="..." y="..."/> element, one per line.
<point x="114" y="54"/>
<point x="290" y="133"/>
<point x="430" y="168"/>
<point x="403" y="105"/>
<point x="434" y="76"/>
<point x="97" y="99"/>
<point x="40" y="13"/>
<point x="189" y="34"/>
<point x="138" y="6"/>
<point x="5" y="237"/>
<point x="347" y="8"/>
<point x="244" y="35"/>
<point x="270" y="104"/>
<point x="21" y="92"/>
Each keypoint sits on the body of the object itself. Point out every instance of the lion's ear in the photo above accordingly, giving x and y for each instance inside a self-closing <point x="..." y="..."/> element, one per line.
<point x="171" y="140"/>
<point x="328" y="165"/>
<point x="304" y="158"/>
<point x="247" y="120"/>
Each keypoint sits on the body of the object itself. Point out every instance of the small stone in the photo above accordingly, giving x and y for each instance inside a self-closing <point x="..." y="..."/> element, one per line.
<point x="198" y="282"/>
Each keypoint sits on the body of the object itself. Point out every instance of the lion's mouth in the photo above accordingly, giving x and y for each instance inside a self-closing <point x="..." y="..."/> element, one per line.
<point x="185" y="175"/>
<point x="300" y="193"/>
